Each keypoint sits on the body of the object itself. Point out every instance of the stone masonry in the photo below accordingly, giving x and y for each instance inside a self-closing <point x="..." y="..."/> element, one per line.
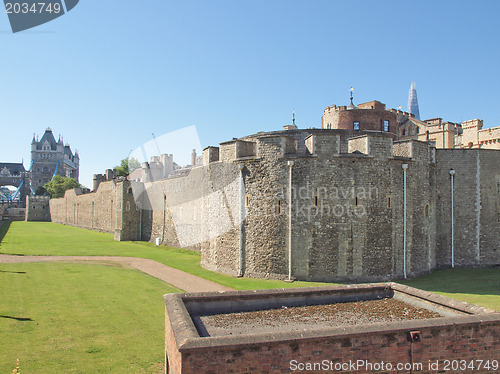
<point x="341" y="220"/>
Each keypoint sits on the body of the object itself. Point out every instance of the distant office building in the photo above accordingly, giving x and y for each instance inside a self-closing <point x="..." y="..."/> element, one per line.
<point x="413" y="101"/>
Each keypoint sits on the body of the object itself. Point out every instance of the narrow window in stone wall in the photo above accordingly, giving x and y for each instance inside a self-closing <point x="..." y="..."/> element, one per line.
<point x="247" y="200"/>
<point x="355" y="125"/>
<point x="389" y="202"/>
<point x="278" y="208"/>
<point x="426" y="210"/>
<point x="316" y="198"/>
<point x="127" y="206"/>
<point x="498" y="187"/>
<point x="498" y="218"/>
<point x="356" y="202"/>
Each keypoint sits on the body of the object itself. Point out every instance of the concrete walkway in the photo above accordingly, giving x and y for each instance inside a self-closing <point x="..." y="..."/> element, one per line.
<point x="177" y="278"/>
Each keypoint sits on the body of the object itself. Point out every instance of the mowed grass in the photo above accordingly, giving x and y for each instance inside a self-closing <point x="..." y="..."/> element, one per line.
<point x="46" y="238"/>
<point x="475" y="286"/>
<point x="80" y="318"/>
<point x="89" y="318"/>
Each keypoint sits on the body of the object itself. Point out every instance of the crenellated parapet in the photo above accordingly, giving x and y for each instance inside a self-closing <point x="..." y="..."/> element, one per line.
<point x="327" y="144"/>
<point x="322" y="144"/>
<point x="235" y="149"/>
<point x="319" y="204"/>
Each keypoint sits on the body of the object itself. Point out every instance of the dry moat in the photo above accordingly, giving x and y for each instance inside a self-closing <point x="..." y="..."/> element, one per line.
<point x="310" y="317"/>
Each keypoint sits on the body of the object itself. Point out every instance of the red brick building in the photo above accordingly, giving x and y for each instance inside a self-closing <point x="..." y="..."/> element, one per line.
<point x="370" y="116"/>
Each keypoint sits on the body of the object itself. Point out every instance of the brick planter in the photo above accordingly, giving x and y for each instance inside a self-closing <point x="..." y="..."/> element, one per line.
<point x="464" y="335"/>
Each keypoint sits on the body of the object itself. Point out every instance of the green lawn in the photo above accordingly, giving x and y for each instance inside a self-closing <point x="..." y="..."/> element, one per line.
<point x="80" y="318"/>
<point x="475" y="286"/>
<point x="57" y="317"/>
<point x="46" y="238"/>
<point x="478" y="286"/>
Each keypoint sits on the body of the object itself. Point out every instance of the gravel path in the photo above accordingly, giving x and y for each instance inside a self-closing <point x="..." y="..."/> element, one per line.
<point x="177" y="278"/>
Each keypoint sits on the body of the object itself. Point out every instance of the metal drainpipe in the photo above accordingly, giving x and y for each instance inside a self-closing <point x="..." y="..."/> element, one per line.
<point x="452" y="174"/>
<point x="140" y="221"/>
<point x="242" y="206"/>
<point x="164" y="213"/>
<point x="404" y="166"/>
<point x="290" y="165"/>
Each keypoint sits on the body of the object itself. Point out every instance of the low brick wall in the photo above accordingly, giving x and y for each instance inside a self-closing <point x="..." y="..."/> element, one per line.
<point x="468" y="335"/>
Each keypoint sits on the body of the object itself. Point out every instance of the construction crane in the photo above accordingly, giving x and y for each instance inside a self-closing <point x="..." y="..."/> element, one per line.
<point x="158" y="148"/>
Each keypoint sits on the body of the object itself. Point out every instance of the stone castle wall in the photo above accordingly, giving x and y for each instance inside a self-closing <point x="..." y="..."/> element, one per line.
<point x="110" y="209"/>
<point x="346" y="213"/>
<point x="37" y="208"/>
<point x="476" y="207"/>
<point x="347" y="209"/>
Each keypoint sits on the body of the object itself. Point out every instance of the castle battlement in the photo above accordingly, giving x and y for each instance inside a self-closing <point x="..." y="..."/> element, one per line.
<point x="37" y="208"/>
<point x="235" y="149"/>
<point x="317" y="143"/>
<point x="349" y="203"/>
<point x="327" y="144"/>
<point x="473" y="124"/>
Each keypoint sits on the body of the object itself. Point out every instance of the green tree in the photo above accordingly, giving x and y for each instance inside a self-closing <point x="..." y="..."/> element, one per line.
<point x="59" y="185"/>
<point x="133" y="164"/>
<point x="127" y="166"/>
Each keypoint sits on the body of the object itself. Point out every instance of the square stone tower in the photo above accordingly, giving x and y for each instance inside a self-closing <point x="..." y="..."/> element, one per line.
<point x="52" y="157"/>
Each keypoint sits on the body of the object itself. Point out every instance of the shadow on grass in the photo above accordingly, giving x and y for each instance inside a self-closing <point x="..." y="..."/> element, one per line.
<point x="21" y="319"/>
<point x="13" y="272"/>
<point x="4" y="227"/>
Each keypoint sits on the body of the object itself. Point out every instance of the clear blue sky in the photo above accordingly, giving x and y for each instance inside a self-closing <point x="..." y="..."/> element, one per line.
<point x="109" y="73"/>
